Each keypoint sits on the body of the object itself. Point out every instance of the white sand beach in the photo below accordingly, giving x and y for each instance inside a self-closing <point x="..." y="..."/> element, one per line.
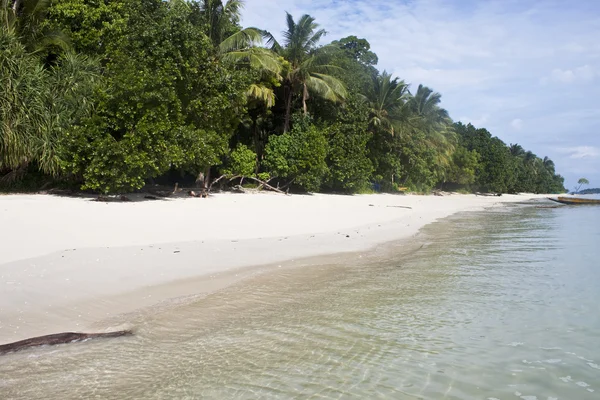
<point x="67" y="263"/>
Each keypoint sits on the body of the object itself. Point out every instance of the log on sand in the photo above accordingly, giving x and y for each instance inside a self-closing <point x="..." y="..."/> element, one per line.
<point x="58" y="338"/>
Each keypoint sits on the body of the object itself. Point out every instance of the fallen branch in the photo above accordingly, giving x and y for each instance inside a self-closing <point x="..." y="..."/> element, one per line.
<point x="261" y="182"/>
<point x="220" y="178"/>
<point x="488" y="194"/>
<point x="266" y="185"/>
<point x="58" y="338"/>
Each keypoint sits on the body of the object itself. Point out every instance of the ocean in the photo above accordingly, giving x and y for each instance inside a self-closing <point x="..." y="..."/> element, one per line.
<point x="498" y="304"/>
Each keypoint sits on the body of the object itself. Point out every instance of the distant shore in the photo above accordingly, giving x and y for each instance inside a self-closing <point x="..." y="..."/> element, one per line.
<point x="67" y="263"/>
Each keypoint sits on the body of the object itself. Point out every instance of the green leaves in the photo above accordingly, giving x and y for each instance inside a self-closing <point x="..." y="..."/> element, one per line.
<point x="242" y="161"/>
<point x="39" y="106"/>
<point x="166" y="102"/>
<point x="299" y="155"/>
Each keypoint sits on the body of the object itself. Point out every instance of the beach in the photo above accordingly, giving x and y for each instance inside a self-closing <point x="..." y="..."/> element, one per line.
<point x="67" y="264"/>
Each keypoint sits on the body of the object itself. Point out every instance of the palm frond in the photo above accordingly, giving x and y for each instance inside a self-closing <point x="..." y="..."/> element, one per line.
<point x="261" y="93"/>
<point x="245" y="38"/>
<point x="257" y="57"/>
<point x="327" y="87"/>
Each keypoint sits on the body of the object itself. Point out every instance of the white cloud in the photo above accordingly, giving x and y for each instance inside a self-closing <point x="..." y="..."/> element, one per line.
<point x="517" y="124"/>
<point x="580" y="152"/>
<point x="476" y="122"/>
<point x="580" y="74"/>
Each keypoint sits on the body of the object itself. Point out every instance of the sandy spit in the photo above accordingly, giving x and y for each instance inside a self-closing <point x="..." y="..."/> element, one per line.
<point x="66" y="263"/>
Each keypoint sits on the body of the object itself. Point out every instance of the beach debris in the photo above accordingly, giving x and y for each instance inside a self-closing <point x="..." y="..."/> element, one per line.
<point x="108" y="199"/>
<point x="410" y="208"/>
<point x="58" y="338"/>
<point x="203" y="194"/>
<point x="488" y="194"/>
<point x="262" y="184"/>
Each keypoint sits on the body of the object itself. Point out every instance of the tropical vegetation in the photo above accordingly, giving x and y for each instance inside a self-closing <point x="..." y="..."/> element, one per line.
<point x="112" y="95"/>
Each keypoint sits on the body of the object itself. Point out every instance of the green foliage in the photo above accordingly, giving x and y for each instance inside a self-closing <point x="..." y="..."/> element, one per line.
<point x="464" y="165"/>
<point x="357" y="49"/>
<point x="154" y="86"/>
<point x="308" y="68"/>
<point x="242" y="161"/>
<point x="508" y="168"/>
<point x="91" y="25"/>
<point x="349" y="166"/>
<point x="166" y="103"/>
<point x="581" y="182"/>
<point x="299" y="155"/>
<point x="38" y="105"/>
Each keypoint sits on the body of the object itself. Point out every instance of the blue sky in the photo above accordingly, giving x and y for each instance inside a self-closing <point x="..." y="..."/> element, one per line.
<point x="528" y="71"/>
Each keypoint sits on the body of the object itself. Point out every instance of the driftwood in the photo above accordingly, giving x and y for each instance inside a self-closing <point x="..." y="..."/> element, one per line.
<point x="58" y="338"/>
<point x="202" y="194"/>
<point x="107" y="199"/>
<point x="260" y="182"/>
<point x="488" y="194"/>
<point x="410" y="208"/>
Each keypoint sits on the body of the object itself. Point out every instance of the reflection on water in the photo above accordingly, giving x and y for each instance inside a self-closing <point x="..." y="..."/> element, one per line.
<point x="497" y="305"/>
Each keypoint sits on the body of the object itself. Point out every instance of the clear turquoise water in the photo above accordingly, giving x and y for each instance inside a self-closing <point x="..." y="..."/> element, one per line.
<point x="501" y="304"/>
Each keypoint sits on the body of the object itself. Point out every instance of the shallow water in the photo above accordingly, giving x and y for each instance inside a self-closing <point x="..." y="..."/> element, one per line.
<point x="496" y="305"/>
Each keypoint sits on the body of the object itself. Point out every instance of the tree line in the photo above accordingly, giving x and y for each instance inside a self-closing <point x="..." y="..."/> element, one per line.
<point x="110" y="95"/>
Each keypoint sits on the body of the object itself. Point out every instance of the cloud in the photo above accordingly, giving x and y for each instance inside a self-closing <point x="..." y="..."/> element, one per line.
<point x="476" y="122"/>
<point x="517" y="124"/>
<point x="581" y="74"/>
<point x="580" y="152"/>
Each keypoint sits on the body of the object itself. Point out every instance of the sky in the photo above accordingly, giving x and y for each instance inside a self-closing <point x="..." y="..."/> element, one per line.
<point x="528" y="71"/>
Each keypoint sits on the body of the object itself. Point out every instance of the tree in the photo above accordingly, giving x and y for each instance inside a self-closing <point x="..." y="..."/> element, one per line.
<point x="38" y="104"/>
<point x="581" y="182"/>
<point x="357" y="49"/>
<point x="308" y="69"/>
<point x="385" y="102"/>
<point x="166" y="103"/>
<point x="299" y="155"/>
<point x="221" y="21"/>
<point x="425" y="115"/>
<point x="348" y="160"/>
<point x="516" y="150"/>
<point x="27" y="19"/>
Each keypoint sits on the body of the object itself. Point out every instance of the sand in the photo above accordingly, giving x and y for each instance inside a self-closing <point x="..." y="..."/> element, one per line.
<point x="68" y="263"/>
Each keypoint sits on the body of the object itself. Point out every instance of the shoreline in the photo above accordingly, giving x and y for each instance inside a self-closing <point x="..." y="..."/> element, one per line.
<point x="59" y="278"/>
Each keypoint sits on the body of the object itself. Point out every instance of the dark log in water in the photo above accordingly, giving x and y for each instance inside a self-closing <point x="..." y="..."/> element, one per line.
<point x="58" y="338"/>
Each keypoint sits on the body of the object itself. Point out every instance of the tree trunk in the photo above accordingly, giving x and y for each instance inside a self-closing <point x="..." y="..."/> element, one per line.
<point x="206" y="178"/>
<point x="256" y="145"/>
<point x="288" y="109"/>
<point x="304" y="98"/>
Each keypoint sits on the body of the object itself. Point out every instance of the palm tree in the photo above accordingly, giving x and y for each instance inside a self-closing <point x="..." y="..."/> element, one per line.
<point x="385" y="101"/>
<point x="308" y="68"/>
<point x="424" y="106"/>
<point x="549" y="165"/>
<point x="426" y="115"/>
<point x="516" y="150"/>
<point x="240" y="46"/>
<point x="25" y="17"/>
<point x="581" y="182"/>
